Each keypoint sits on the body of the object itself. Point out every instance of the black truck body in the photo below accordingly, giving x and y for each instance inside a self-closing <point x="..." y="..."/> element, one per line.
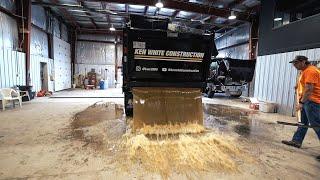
<point x="153" y="56"/>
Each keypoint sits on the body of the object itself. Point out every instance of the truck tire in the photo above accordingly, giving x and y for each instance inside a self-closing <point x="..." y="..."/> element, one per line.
<point x="236" y="95"/>
<point x="210" y="93"/>
<point x="128" y="107"/>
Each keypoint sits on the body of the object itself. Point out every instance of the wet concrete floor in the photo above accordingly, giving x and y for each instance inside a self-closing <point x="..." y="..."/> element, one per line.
<point x="113" y="124"/>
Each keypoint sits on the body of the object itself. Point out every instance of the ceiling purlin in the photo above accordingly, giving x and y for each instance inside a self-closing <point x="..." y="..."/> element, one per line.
<point x="81" y="2"/>
<point x="66" y="14"/>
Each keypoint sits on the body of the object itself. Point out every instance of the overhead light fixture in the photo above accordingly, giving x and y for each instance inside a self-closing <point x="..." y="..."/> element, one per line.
<point x="112" y="28"/>
<point x="159" y="4"/>
<point x="77" y="10"/>
<point x="232" y="16"/>
<point x="277" y="19"/>
<point x="220" y="6"/>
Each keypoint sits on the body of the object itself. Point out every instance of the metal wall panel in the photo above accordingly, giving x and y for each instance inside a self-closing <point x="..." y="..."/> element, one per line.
<point x="119" y="54"/>
<point x="62" y="64"/>
<point x="8" y="4"/>
<point x="64" y="33"/>
<point x="238" y="52"/>
<point x="98" y="37"/>
<point x="56" y="27"/>
<point x="83" y="69"/>
<point x="95" y="53"/>
<point x="38" y="16"/>
<point x="35" y="61"/>
<point x="235" y="36"/>
<point x="8" y="32"/>
<point x="275" y="78"/>
<point x="12" y="68"/>
<point x="39" y="43"/>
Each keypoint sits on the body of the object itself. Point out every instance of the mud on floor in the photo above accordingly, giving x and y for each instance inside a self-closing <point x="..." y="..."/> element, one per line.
<point x="104" y="128"/>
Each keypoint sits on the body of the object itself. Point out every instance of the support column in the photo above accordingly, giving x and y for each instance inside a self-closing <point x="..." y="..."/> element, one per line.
<point x="253" y="42"/>
<point x="73" y="40"/>
<point x="24" y="30"/>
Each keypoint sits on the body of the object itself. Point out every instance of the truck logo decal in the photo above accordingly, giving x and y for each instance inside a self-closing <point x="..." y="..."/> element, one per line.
<point x="166" y="55"/>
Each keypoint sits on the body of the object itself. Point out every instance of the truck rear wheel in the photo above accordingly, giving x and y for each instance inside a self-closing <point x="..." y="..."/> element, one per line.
<point x="236" y="95"/>
<point x="210" y="93"/>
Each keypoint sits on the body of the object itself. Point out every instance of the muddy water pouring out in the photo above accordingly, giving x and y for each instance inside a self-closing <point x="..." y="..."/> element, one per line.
<point x="167" y="110"/>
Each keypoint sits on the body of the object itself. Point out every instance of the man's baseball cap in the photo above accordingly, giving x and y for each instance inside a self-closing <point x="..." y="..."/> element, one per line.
<point x="299" y="59"/>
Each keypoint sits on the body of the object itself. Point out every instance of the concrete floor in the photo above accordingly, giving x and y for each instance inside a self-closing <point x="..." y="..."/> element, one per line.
<point x="36" y="143"/>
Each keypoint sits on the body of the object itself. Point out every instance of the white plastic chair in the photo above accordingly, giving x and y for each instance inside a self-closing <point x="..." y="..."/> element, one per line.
<point x="6" y="96"/>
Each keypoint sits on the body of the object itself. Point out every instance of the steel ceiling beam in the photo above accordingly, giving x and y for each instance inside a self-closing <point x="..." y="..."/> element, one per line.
<point x="89" y="14"/>
<point x="66" y="14"/>
<point x="183" y="6"/>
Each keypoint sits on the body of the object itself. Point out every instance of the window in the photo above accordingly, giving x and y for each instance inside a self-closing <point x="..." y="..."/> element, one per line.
<point x="288" y="11"/>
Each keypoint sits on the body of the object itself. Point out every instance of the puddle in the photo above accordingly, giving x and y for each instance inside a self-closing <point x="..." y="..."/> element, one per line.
<point x="238" y="120"/>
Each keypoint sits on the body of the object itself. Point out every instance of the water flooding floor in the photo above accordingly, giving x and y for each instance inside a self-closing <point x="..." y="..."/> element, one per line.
<point x="216" y="117"/>
<point x="104" y="128"/>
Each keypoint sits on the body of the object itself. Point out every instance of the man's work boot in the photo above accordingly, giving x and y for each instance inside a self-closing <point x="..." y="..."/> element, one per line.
<point x="292" y="143"/>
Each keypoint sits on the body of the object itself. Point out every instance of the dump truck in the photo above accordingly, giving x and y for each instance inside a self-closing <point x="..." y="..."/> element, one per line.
<point x="165" y="69"/>
<point x="229" y="76"/>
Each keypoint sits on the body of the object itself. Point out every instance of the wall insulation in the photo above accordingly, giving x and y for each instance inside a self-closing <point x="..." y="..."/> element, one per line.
<point x="39" y="17"/>
<point x="103" y="72"/>
<point x="12" y="68"/>
<point x="39" y="43"/>
<point x="275" y="78"/>
<point x="98" y="56"/>
<point x="8" y="32"/>
<point x="95" y="53"/>
<point x="62" y="64"/>
<point x="35" y="76"/>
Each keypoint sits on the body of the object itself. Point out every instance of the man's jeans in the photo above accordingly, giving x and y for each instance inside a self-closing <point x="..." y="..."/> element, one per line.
<point x="310" y="115"/>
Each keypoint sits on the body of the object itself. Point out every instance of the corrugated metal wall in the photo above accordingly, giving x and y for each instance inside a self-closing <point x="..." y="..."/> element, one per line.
<point x="35" y="76"/>
<point x="97" y="37"/>
<point x="8" y="32"/>
<point x="98" y="56"/>
<point x="101" y="71"/>
<point x="8" y="4"/>
<point x="12" y="63"/>
<point x="237" y="52"/>
<point x="275" y="78"/>
<point x="235" y="43"/>
<point x="119" y="54"/>
<point x="95" y="53"/>
<point x="12" y="68"/>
